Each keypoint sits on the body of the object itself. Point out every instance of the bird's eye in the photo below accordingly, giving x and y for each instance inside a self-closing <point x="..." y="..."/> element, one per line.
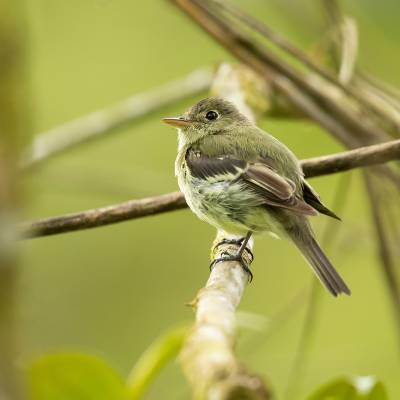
<point x="212" y="115"/>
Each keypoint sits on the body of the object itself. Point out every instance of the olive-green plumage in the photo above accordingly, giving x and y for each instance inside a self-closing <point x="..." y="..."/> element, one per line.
<point x="242" y="180"/>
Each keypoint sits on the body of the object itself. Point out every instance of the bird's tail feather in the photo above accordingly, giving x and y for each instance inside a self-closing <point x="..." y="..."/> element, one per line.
<point x="320" y="264"/>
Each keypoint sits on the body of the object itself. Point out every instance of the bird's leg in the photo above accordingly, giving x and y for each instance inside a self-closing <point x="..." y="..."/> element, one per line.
<point x="238" y="256"/>
<point x="241" y="241"/>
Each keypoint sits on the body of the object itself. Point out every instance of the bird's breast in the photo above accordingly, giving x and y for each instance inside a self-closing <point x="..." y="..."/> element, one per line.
<point x="225" y="204"/>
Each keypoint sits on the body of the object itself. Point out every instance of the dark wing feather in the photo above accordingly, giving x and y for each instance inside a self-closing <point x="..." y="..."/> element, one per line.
<point x="267" y="179"/>
<point x="312" y="198"/>
<point x="204" y="167"/>
<point x="274" y="189"/>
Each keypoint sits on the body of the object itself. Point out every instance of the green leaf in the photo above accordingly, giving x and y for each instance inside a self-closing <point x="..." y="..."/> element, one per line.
<point x="67" y="376"/>
<point x="340" y="389"/>
<point x="378" y="392"/>
<point x="370" y="389"/>
<point x="359" y="388"/>
<point x="164" y="349"/>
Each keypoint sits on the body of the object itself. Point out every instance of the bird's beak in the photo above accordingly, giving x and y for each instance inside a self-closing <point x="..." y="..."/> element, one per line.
<point x="177" y="122"/>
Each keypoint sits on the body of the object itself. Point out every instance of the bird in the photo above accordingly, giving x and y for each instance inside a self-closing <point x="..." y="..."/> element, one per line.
<point x="243" y="181"/>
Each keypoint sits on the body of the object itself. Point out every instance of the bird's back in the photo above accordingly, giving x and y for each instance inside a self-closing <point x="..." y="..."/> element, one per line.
<point x="251" y="143"/>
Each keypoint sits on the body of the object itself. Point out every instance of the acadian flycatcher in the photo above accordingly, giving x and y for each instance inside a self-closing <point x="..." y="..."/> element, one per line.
<point x="242" y="180"/>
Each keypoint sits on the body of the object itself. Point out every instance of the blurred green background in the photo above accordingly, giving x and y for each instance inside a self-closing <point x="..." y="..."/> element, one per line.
<point x="111" y="291"/>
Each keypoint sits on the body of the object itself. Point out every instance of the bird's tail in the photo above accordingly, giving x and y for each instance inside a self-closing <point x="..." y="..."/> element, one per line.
<point x="322" y="267"/>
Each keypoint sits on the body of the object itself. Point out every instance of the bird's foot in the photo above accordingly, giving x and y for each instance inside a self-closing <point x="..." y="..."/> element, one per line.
<point x="237" y="242"/>
<point x="225" y="256"/>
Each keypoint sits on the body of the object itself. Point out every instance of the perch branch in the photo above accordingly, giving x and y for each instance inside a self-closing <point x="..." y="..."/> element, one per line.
<point x="112" y="118"/>
<point x="207" y="357"/>
<point x="361" y="157"/>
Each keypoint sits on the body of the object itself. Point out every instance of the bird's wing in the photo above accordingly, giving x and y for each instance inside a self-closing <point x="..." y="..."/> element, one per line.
<point x="312" y="198"/>
<point x="214" y="169"/>
<point x="259" y="176"/>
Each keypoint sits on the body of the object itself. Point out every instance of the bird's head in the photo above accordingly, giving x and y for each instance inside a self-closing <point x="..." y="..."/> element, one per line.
<point x="211" y="116"/>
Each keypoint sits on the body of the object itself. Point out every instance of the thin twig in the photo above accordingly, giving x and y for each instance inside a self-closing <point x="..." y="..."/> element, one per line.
<point x="391" y="93"/>
<point x="344" y="46"/>
<point x="109" y="119"/>
<point x="105" y="215"/>
<point x="284" y="44"/>
<point x="274" y="37"/>
<point x="349" y="40"/>
<point x="383" y="244"/>
<point x="363" y="156"/>
<point x="281" y="74"/>
<point x="388" y="104"/>
<point x="337" y="115"/>
<point x="382" y="100"/>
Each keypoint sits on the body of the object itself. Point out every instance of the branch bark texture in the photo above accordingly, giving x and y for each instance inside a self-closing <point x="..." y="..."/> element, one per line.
<point x="361" y="157"/>
<point x="207" y="357"/>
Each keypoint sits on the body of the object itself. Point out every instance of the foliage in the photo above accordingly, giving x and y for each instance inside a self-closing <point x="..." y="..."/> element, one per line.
<point x="360" y="388"/>
<point x="66" y="376"/>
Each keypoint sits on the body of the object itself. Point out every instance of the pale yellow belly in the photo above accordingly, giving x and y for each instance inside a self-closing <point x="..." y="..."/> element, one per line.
<point x="228" y="206"/>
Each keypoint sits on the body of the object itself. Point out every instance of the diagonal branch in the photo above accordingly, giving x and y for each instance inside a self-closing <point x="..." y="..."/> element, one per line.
<point x="380" y="204"/>
<point x="312" y="100"/>
<point x="346" y="119"/>
<point x="361" y="157"/>
<point x="383" y="245"/>
<point x="288" y="47"/>
<point x="108" y="120"/>
<point x="382" y="101"/>
<point x="96" y="217"/>
<point x="207" y="357"/>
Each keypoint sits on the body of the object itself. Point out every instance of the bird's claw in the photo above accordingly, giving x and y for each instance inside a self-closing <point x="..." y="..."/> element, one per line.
<point x="225" y="256"/>
<point x="237" y="242"/>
